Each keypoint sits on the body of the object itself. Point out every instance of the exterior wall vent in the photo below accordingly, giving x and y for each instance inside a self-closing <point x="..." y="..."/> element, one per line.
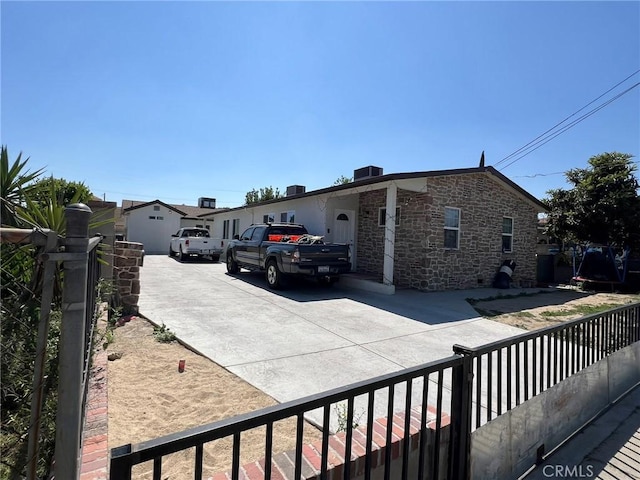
<point x="366" y="172"/>
<point x="206" y="202"/>
<point x="295" y="190"/>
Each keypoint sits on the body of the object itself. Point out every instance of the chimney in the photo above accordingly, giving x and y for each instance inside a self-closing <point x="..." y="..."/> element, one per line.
<point x="206" y="202"/>
<point x="366" y="172"/>
<point x="295" y="190"/>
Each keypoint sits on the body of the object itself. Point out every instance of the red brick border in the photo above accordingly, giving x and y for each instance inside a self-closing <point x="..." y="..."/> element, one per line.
<point x="283" y="463"/>
<point x="95" y="447"/>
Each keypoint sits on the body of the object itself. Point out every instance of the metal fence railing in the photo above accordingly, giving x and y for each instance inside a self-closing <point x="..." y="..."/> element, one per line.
<point x="78" y="255"/>
<point x="402" y="390"/>
<point x="484" y="382"/>
<point x="511" y="371"/>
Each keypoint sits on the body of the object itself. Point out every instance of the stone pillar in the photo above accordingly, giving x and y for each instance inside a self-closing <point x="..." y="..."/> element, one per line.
<point x="127" y="260"/>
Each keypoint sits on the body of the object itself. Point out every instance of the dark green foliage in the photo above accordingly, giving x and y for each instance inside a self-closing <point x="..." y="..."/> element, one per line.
<point x="602" y="207"/>
<point x="16" y="184"/>
<point x="266" y="193"/>
<point x="65" y="192"/>
<point x="342" y="180"/>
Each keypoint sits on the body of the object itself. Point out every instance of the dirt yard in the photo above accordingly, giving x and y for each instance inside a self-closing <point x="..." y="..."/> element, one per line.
<point x="531" y="312"/>
<point x="149" y="398"/>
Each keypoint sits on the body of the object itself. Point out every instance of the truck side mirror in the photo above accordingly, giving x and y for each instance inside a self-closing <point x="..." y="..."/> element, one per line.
<point x="236" y="237"/>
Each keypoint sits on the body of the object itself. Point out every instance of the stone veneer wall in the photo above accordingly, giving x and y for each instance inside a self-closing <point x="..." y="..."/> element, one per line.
<point x="422" y="262"/>
<point x="127" y="260"/>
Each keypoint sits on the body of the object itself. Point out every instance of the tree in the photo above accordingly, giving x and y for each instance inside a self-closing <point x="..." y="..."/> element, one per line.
<point x="602" y="207"/>
<point x="341" y="180"/>
<point x="66" y="192"/>
<point x="266" y="193"/>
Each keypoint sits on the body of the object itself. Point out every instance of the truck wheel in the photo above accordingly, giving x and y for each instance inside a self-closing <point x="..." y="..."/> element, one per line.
<point x="183" y="256"/>
<point x="232" y="266"/>
<point x="215" y="258"/>
<point x="274" y="277"/>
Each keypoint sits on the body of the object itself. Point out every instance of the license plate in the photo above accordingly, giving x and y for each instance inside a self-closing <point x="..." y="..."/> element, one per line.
<point x="323" y="269"/>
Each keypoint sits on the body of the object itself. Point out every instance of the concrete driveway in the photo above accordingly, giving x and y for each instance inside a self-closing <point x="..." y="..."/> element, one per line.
<point x="308" y="338"/>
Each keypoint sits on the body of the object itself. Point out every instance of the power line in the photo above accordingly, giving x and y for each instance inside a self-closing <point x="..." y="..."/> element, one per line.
<point x="535" y="140"/>
<point x="548" y="138"/>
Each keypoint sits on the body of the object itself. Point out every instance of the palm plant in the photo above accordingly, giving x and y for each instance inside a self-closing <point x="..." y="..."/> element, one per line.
<point x="16" y="184"/>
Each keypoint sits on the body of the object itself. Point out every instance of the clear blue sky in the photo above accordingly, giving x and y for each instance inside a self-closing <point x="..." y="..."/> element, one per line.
<point x="176" y="101"/>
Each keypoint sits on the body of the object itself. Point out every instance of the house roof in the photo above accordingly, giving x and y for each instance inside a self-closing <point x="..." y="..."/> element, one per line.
<point x="186" y="211"/>
<point x="403" y="176"/>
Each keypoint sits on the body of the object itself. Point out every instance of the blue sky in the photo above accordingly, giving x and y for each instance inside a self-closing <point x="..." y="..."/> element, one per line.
<point x="179" y="100"/>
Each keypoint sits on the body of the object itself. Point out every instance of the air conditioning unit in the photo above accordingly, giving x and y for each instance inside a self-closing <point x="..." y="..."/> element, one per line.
<point x="366" y="172"/>
<point x="295" y="190"/>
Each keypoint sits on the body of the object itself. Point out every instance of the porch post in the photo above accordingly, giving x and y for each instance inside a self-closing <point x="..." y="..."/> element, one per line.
<point x="389" y="234"/>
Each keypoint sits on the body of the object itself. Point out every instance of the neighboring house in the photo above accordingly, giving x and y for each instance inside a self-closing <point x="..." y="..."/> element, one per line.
<point x="152" y="223"/>
<point x="435" y="230"/>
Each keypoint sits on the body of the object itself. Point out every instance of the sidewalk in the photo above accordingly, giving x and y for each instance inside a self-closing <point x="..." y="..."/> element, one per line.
<point x="609" y="448"/>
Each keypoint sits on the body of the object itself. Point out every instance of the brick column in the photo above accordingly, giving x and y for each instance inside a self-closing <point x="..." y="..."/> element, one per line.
<point x="127" y="262"/>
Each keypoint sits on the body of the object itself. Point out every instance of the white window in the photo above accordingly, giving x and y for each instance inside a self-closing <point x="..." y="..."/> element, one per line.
<point x="225" y="229"/>
<point x="236" y="226"/>
<point x="288" y="217"/>
<point x="159" y="218"/>
<point x="451" y="227"/>
<point x="507" y="234"/>
<point x="382" y="216"/>
<point x="269" y="218"/>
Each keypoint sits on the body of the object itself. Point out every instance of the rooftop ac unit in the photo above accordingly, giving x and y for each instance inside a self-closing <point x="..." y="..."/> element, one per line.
<point x="366" y="172"/>
<point x="295" y="190"/>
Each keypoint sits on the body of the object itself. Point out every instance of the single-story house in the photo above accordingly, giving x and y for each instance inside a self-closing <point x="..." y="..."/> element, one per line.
<point x="433" y="230"/>
<point x="152" y="223"/>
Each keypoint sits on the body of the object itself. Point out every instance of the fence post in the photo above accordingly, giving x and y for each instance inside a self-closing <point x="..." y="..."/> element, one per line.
<point x="72" y="344"/>
<point x="461" y="393"/>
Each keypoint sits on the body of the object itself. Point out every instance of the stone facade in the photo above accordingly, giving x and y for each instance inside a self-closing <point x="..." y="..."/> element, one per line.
<point x="420" y="259"/>
<point x="128" y="257"/>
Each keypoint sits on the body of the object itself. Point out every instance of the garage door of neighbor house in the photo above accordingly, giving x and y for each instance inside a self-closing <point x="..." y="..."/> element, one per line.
<point x="344" y="228"/>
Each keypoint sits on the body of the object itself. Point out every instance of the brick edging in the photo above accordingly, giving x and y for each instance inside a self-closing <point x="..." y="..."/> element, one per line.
<point x="283" y="463"/>
<point x="95" y="447"/>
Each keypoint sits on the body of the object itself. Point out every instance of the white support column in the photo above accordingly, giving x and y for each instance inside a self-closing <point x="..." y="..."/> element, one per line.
<point x="389" y="234"/>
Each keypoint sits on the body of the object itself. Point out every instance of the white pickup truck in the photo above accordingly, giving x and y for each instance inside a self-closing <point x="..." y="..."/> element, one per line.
<point x="195" y="241"/>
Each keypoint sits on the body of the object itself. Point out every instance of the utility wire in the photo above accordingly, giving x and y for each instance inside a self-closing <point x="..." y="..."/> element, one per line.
<point x="560" y="123"/>
<point x="571" y="125"/>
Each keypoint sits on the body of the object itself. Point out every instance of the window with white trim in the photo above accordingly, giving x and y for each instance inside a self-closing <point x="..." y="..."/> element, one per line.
<point x="507" y="234"/>
<point x="382" y="216"/>
<point x="451" y="228"/>
<point x="236" y="226"/>
<point x="225" y="229"/>
<point x="156" y="208"/>
<point x="288" y="217"/>
<point x="269" y="218"/>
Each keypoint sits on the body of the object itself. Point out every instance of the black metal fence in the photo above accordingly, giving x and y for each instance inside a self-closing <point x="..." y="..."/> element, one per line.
<point x="511" y="371"/>
<point x="405" y="389"/>
<point x="475" y="385"/>
<point x="78" y="255"/>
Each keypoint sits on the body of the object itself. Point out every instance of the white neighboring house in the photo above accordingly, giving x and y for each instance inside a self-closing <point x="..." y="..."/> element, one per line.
<point x="153" y="223"/>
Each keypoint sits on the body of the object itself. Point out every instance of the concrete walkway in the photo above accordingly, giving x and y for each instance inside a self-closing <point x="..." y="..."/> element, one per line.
<point x="309" y="339"/>
<point x="609" y="448"/>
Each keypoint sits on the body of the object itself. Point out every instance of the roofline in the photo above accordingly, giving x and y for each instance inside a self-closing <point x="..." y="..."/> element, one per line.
<point x="146" y="204"/>
<point x="403" y="176"/>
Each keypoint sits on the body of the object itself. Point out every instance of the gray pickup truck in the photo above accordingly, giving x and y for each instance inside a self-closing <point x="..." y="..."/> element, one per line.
<point x="286" y="250"/>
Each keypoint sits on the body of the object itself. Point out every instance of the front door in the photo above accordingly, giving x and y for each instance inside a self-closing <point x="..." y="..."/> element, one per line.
<point x="344" y="228"/>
